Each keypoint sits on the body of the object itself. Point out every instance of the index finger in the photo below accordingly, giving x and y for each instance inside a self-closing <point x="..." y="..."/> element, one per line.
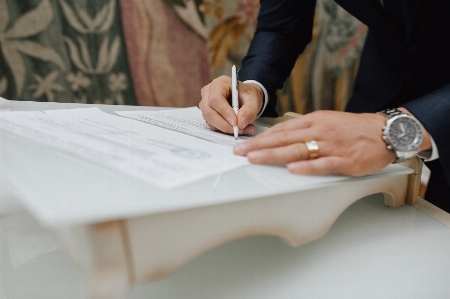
<point x="217" y="99"/>
<point x="298" y="123"/>
<point x="279" y="139"/>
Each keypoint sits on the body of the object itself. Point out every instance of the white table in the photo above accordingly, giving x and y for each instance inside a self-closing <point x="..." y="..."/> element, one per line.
<point x="117" y="251"/>
<point x="372" y="251"/>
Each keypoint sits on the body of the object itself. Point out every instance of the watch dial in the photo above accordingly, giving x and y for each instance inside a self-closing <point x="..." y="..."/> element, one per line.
<point x="405" y="134"/>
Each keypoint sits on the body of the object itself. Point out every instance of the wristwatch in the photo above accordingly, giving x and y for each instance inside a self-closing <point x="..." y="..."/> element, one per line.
<point x="402" y="134"/>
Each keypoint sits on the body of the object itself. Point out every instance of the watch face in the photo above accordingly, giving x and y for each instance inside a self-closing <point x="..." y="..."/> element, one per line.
<point x="405" y="134"/>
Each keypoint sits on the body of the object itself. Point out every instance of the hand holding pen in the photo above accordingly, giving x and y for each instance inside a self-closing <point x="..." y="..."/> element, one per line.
<point x="216" y="105"/>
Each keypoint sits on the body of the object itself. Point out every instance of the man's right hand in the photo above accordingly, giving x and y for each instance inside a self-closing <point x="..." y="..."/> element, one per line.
<point x="218" y="113"/>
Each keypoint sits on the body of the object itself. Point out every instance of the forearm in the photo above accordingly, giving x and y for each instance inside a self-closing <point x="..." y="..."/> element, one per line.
<point x="284" y="29"/>
<point x="433" y="112"/>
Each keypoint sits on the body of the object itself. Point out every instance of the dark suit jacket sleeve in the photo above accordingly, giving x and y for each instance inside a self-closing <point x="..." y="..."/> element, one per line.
<point x="433" y="111"/>
<point x="283" y="31"/>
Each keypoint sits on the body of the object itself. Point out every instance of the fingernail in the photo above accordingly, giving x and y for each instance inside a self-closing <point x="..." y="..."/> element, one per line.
<point x="244" y="122"/>
<point x="291" y="166"/>
<point x="294" y="167"/>
<point x="231" y="121"/>
<point x="254" y="156"/>
<point x="250" y="131"/>
<point x="239" y="149"/>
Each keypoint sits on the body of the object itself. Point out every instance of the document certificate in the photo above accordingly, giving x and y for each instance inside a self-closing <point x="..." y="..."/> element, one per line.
<point x="189" y="121"/>
<point x="162" y="157"/>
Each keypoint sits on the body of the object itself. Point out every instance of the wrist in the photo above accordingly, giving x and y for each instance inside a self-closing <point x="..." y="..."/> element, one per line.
<point x="379" y="121"/>
<point x="263" y="97"/>
<point x="259" y="92"/>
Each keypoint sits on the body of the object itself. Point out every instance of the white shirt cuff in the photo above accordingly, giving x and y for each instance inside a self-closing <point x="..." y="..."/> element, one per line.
<point x="430" y="155"/>
<point x="266" y="96"/>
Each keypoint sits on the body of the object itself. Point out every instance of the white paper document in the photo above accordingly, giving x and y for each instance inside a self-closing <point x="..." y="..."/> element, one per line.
<point x="162" y="157"/>
<point x="189" y="121"/>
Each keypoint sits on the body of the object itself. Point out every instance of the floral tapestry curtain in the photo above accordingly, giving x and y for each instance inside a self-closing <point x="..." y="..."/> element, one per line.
<point x="161" y="52"/>
<point x="65" y="51"/>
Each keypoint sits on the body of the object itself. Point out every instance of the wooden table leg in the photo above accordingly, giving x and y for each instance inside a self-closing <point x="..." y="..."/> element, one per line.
<point x="101" y="252"/>
<point x="414" y="180"/>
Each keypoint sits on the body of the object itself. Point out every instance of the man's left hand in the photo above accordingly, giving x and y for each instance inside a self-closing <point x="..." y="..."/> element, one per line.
<point x="350" y="144"/>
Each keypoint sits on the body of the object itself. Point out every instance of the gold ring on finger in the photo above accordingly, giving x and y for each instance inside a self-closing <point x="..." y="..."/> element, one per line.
<point x="313" y="149"/>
